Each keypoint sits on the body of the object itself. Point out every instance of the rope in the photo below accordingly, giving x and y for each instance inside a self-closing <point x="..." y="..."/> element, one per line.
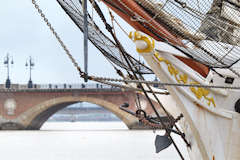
<point x="165" y="92"/>
<point x="125" y="32"/>
<point x="68" y="52"/>
<point x="164" y="84"/>
<point x="130" y="64"/>
<point x="140" y="19"/>
<point x="101" y="79"/>
<point x="82" y="73"/>
<point x="43" y="16"/>
<point x="111" y="79"/>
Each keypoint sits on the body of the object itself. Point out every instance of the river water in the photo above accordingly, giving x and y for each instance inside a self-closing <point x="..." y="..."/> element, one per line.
<point x="85" y="141"/>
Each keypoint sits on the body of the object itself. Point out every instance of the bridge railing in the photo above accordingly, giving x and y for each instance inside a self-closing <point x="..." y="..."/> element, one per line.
<point x="73" y="86"/>
<point x="60" y="86"/>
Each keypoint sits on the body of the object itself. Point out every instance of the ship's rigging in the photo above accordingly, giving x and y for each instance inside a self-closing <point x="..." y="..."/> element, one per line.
<point x="107" y="47"/>
<point x="188" y="26"/>
<point x="192" y="39"/>
<point x="167" y="138"/>
<point x="110" y="50"/>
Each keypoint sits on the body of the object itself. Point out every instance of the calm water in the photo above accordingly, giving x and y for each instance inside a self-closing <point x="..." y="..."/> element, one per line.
<point x="84" y="140"/>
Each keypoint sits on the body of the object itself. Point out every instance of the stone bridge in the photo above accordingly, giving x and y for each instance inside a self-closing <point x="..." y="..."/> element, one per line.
<point x="23" y="108"/>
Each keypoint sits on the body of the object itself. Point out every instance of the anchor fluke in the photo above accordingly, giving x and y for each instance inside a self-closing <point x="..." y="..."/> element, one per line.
<point x="162" y="142"/>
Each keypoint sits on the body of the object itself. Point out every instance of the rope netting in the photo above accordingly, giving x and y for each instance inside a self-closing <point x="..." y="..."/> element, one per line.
<point x="208" y="29"/>
<point x="103" y="43"/>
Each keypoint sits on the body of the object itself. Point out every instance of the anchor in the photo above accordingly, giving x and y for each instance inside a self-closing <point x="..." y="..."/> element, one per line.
<point x="161" y="141"/>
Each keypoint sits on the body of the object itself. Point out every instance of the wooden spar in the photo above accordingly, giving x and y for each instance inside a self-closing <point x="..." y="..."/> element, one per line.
<point x="200" y="68"/>
<point x="153" y="24"/>
<point x="127" y="18"/>
<point x="161" y="30"/>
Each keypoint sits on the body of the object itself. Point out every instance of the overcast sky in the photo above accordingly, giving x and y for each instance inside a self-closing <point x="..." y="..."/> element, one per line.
<point x="23" y="33"/>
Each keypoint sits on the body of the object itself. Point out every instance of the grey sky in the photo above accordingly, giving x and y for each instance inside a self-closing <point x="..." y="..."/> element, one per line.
<point x="24" y="34"/>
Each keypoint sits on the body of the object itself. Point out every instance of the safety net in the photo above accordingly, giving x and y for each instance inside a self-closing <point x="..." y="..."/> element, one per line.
<point x="100" y="40"/>
<point x="205" y="30"/>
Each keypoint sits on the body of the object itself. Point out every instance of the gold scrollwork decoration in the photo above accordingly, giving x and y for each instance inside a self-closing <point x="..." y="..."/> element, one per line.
<point x="199" y="92"/>
<point x="149" y="41"/>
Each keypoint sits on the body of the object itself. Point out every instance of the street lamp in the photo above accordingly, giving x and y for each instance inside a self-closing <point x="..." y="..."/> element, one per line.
<point x="155" y="84"/>
<point x="30" y="64"/>
<point x="7" y="64"/>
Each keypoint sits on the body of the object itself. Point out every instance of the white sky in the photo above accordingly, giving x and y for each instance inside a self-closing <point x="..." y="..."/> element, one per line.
<point x="23" y="33"/>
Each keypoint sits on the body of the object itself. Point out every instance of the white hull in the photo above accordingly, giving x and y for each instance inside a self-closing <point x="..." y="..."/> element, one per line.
<point x="210" y="123"/>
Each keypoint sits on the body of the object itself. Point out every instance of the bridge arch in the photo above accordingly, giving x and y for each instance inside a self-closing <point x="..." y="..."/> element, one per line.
<point x="37" y="115"/>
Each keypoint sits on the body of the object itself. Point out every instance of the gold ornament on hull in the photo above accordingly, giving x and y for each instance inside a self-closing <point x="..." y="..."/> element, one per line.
<point x="149" y="41"/>
<point x="199" y="92"/>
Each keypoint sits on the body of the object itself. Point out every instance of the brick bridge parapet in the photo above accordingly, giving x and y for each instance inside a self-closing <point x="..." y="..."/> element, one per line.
<point x="30" y="108"/>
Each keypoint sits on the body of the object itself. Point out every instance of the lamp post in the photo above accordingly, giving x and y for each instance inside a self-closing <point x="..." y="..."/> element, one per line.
<point x="155" y="85"/>
<point x="7" y="64"/>
<point x="30" y="64"/>
<point x="85" y="41"/>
